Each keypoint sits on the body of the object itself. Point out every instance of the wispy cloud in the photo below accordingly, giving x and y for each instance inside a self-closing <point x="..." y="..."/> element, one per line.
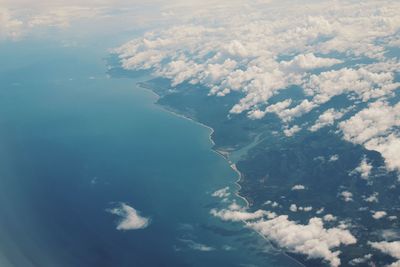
<point x="197" y="246"/>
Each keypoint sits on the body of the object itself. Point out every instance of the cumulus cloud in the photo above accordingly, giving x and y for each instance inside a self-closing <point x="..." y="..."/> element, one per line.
<point x="298" y="187"/>
<point x="375" y="127"/>
<point x="130" y="218"/>
<point x="291" y="131"/>
<point x="333" y="158"/>
<point x="379" y="215"/>
<point x="309" y="61"/>
<point x="360" y="260"/>
<point x="390" y="248"/>
<point x="293" y="208"/>
<point x="364" y="169"/>
<point x="312" y="239"/>
<point x="278" y="45"/>
<point x="240" y="215"/>
<point x="365" y="84"/>
<point x="372" y="198"/>
<point x="329" y="218"/>
<point x="347" y="196"/>
<point x="326" y="119"/>
<point x="308" y="208"/>
<point x="237" y="53"/>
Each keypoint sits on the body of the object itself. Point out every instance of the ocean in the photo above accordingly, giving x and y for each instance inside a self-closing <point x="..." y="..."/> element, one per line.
<point x="75" y="142"/>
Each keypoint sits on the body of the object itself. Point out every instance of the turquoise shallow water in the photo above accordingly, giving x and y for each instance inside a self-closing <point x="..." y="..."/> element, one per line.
<point x="74" y="142"/>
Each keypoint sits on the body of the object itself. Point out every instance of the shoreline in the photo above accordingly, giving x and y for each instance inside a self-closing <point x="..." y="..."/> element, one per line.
<point x="225" y="156"/>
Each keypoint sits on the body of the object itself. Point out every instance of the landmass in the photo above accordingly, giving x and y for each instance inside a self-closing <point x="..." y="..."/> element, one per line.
<point x="310" y="174"/>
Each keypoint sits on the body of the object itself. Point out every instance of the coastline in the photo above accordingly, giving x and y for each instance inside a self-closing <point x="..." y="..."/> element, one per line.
<point x="223" y="154"/>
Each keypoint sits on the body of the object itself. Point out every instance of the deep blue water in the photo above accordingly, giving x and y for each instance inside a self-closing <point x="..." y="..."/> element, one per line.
<point x="74" y="142"/>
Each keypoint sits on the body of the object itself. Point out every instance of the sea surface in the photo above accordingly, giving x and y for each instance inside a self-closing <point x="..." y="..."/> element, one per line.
<point x="75" y="142"/>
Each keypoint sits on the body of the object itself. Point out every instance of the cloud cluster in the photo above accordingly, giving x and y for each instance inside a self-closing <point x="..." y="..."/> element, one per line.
<point x="329" y="218"/>
<point x="390" y="248"/>
<point x="312" y="239"/>
<point x="326" y="119"/>
<point x="242" y="53"/>
<point x="321" y="47"/>
<point x="361" y="260"/>
<point x="376" y="127"/>
<point x="295" y="208"/>
<point x="130" y="218"/>
<point x="240" y="215"/>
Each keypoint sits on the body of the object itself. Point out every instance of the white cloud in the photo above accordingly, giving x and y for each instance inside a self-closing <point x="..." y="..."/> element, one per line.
<point x="375" y="128"/>
<point x="308" y="208"/>
<point x="376" y="120"/>
<point x="222" y="193"/>
<point x="289" y="114"/>
<point x="311" y="239"/>
<point x="293" y="208"/>
<point x="309" y="61"/>
<point x="130" y="218"/>
<point x="360" y="260"/>
<point x="364" y="83"/>
<point x="390" y="248"/>
<point x="61" y="16"/>
<point x="321" y="210"/>
<point x="347" y="196"/>
<point x="379" y="215"/>
<point x="364" y="169"/>
<point x="326" y="119"/>
<point x="291" y="131"/>
<point x="240" y="215"/>
<point x="333" y="158"/>
<point x="298" y="187"/>
<point x="372" y="198"/>
<point x="329" y="218"/>
<point x="10" y="27"/>
<point x="274" y="204"/>
<point x="235" y="206"/>
<point x="237" y="53"/>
